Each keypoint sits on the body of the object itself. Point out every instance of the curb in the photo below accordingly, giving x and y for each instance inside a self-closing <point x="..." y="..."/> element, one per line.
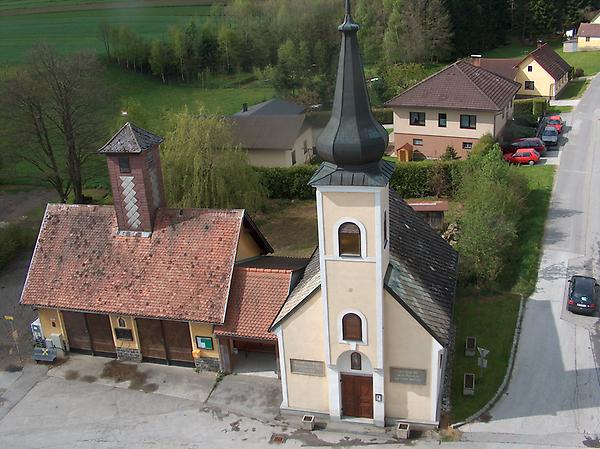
<point x="509" y="369"/>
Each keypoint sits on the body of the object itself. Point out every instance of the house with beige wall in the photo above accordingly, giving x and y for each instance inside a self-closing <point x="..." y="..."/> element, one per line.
<point x="364" y="335"/>
<point x="541" y="73"/>
<point x="454" y="107"/>
<point x="274" y="133"/>
<point x="588" y="37"/>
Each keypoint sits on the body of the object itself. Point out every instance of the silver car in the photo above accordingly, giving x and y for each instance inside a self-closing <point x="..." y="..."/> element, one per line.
<point x="549" y="136"/>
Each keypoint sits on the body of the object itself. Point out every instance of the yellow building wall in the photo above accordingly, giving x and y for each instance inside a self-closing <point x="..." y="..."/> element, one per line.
<point x="485" y="122"/>
<point x="543" y="82"/>
<point x="360" y="206"/>
<point x="247" y="246"/>
<point x="129" y="324"/>
<point x="302" y="335"/>
<point x="592" y="44"/>
<point x="48" y="317"/>
<point x="269" y="158"/>
<point x="408" y="345"/>
<point x="204" y="330"/>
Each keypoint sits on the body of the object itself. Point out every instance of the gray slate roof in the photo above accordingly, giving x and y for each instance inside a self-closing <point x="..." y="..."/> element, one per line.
<point x="460" y="86"/>
<point x="267" y="132"/>
<point x="131" y="139"/>
<point x="422" y="271"/>
<point x="373" y="175"/>
<point x="272" y="107"/>
<point x="421" y="275"/>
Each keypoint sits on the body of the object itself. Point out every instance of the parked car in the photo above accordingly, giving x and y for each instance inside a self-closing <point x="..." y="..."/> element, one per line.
<point x="582" y="294"/>
<point x="534" y="143"/>
<point x="556" y="122"/>
<point x="525" y="156"/>
<point x="549" y="136"/>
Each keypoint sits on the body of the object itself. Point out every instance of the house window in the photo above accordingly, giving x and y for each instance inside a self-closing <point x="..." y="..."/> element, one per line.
<point x="468" y="121"/>
<point x="417" y="118"/>
<point x="293" y="157"/>
<point x="351" y="327"/>
<point x="418" y="142"/>
<point x="529" y="85"/>
<point x="355" y="361"/>
<point x="122" y="322"/>
<point x="530" y="68"/>
<point x="349" y="240"/>
<point x="467" y="145"/>
<point x="442" y="120"/>
<point x="587" y="38"/>
<point x="124" y="165"/>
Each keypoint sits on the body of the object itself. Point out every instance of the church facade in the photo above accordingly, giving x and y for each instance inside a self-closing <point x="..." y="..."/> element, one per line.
<point x="364" y="335"/>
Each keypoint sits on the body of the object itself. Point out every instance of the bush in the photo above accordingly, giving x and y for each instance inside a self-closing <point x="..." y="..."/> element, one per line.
<point x="531" y="106"/>
<point x="384" y="116"/>
<point x="539" y="107"/>
<point x="426" y="178"/>
<point x="14" y="238"/>
<point x="526" y="120"/>
<point x="578" y="72"/>
<point x="287" y="182"/>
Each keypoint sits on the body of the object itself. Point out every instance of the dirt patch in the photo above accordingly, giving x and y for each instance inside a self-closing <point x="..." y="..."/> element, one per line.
<point x="216" y="412"/>
<point x="17" y="204"/>
<point x="310" y="439"/>
<point x="89" y="379"/>
<point x="122" y="372"/>
<point x="13" y="368"/>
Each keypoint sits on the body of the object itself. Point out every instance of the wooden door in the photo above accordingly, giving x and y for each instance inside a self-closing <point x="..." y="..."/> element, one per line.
<point x="152" y="344"/>
<point x="178" y="341"/>
<point x="77" y="332"/>
<point x="357" y="396"/>
<point x="100" y="334"/>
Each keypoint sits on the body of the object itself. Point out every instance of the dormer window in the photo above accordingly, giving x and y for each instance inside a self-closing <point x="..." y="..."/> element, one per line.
<point x="349" y="240"/>
<point x="124" y="164"/>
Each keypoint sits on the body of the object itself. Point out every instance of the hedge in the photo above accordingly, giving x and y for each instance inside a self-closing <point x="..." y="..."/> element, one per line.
<point x="14" y="238"/>
<point x="531" y="106"/>
<point x="319" y="119"/>
<point x="410" y="180"/>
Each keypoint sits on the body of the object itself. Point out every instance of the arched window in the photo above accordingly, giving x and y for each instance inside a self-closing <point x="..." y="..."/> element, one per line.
<point x="355" y="361"/>
<point x="349" y="239"/>
<point x="351" y="327"/>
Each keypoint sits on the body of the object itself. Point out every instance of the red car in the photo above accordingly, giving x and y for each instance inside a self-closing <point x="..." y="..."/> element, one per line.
<point x="555" y="122"/>
<point x="524" y="156"/>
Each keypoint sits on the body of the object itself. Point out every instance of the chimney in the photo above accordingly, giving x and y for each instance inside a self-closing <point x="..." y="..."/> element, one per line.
<point x="133" y="159"/>
<point x="244" y="107"/>
<point x="476" y="60"/>
<point x="539" y="43"/>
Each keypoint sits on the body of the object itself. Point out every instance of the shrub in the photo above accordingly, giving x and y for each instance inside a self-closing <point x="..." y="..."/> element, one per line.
<point x="14" y="238"/>
<point x="578" y="72"/>
<point x="539" y="107"/>
<point x="450" y="154"/>
<point x="523" y="107"/>
<point x="426" y="178"/>
<point x="287" y="182"/>
<point x="384" y="116"/>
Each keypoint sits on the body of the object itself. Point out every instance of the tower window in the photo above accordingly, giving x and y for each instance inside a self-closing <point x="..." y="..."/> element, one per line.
<point x="355" y="361"/>
<point x="351" y="327"/>
<point x="349" y="240"/>
<point x="124" y="164"/>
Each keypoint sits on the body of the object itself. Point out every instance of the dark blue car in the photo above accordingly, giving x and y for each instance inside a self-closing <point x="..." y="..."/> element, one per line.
<point x="582" y="295"/>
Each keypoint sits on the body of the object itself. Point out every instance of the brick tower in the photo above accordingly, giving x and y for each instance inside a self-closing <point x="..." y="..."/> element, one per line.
<point x="136" y="179"/>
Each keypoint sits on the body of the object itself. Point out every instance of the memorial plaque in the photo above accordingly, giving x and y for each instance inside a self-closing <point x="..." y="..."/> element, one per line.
<point x="408" y="376"/>
<point x="307" y="367"/>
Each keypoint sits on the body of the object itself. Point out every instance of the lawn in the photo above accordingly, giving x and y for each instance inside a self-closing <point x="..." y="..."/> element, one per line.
<point x="72" y="31"/>
<point x="574" y="89"/>
<point x="559" y="109"/>
<point x="589" y="61"/>
<point x="491" y="319"/>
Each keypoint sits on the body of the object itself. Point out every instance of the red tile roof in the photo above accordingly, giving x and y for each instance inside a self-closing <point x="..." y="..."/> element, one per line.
<point x="257" y="294"/>
<point x="182" y="272"/>
<point x="507" y="67"/>
<point x="460" y="86"/>
<point x="589" y="30"/>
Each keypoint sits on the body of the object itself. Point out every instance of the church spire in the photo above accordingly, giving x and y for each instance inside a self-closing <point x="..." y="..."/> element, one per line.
<point x="353" y="138"/>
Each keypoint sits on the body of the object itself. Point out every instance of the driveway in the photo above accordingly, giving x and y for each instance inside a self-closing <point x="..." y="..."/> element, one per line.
<point x="554" y="393"/>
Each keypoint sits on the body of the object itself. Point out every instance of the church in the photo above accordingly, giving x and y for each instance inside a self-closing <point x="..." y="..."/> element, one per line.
<point x="361" y="331"/>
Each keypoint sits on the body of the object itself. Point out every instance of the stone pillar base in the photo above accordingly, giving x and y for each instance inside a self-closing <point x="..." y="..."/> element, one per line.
<point x="132" y="355"/>
<point x="207" y="364"/>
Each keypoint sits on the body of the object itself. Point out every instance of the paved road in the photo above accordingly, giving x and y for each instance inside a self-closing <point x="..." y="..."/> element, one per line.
<point x="555" y="389"/>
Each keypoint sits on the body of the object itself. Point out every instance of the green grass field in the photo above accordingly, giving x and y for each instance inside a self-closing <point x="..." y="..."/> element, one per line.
<point x="78" y="30"/>
<point x="589" y="61"/>
<point x="575" y="89"/>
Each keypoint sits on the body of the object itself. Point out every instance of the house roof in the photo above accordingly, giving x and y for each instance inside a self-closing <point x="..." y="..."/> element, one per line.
<point x="267" y="132"/>
<point x="421" y="275"/>
<point x="131" y="139"/>
<point x="550" y="61"/>
<point x="272" y="107"/>
<point x="256" y="296"/>
<point x="428" y="206"/>
<point x="589" y="30"/>
<point x="460" y="86"/>
<point x="274" y="263"/>
<point x="181" y="272"/>
<point x="422" y="270"/>
<point x="507" y="67"/>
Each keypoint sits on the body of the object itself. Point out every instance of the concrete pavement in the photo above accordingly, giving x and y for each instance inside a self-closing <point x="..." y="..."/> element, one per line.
<point x="554" y="393"/>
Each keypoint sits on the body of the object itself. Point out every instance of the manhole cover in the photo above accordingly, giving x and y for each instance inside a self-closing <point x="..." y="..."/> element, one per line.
<point x="278" y="438"/>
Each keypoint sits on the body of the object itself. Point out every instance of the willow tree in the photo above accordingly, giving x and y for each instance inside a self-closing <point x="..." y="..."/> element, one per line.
<point x="203" y="167"/>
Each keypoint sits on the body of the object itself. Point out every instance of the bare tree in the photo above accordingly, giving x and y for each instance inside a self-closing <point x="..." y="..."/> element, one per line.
<point x="59" y="100"/>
